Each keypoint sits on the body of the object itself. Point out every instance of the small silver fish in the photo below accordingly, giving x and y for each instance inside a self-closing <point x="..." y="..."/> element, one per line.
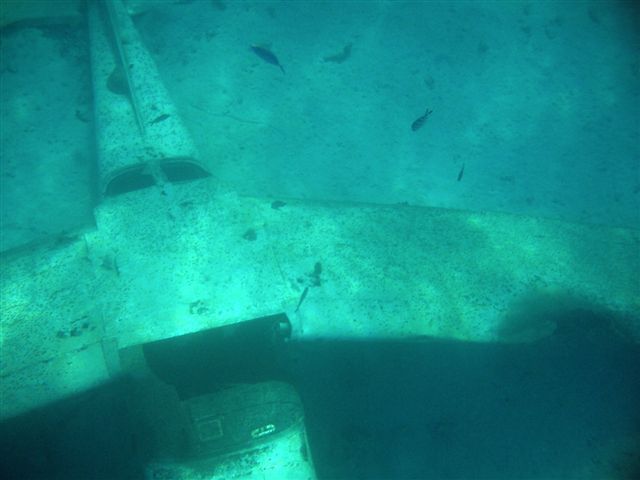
<point x="302" y="297"/>
<point x="418" y="122"/>
<point x="160" y="118"/>
<point x="266" y="55"/>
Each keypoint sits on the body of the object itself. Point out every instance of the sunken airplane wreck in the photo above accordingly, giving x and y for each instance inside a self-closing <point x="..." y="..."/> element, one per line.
<point x="193" y="332"/>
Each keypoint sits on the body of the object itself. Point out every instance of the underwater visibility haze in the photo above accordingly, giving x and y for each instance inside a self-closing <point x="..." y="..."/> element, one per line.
<point x="320" y="239"/>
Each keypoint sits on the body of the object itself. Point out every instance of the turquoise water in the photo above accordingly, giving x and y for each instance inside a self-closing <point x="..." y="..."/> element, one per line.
<point x="537" y="100"/>
<point x="534" y="110"/>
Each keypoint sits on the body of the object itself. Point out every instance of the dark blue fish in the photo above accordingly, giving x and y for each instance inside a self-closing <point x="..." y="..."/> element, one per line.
<point x="418" y="122"/>
<point x="267" y="56"/>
